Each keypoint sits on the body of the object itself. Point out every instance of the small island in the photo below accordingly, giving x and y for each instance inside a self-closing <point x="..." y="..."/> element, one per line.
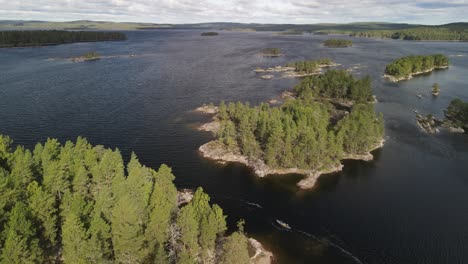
<point x="271" y="52"/>
<point x="435" y="89"/>
<point x="88" y="56"/>
<point x="297" y="69"/>
<point x="406" y="67"/>
<point x="457" y="115"/>
<point x="209" y="34"/>
<point x="456" y="119"/>
<point x="338" y="43"/>
<point x="30" y="38"/>
<point x="327" y="118"/>
<point x="293" y="32"/>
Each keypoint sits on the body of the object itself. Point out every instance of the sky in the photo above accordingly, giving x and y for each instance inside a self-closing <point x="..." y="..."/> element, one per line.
<point x="246" y="11"/>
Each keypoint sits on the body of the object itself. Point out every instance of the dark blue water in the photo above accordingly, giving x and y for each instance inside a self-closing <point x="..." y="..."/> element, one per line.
<point x="410" y="205"/>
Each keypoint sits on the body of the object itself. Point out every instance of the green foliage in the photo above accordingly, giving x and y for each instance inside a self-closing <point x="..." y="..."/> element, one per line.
<point x="43" y="208"/>
<point x="361" y="129"/>
<point x="338" y="43"/>
<point x="302" y="133"/>
<point x="91" y="55"/>
<point x="75" y="241"/>
<point x="16" y="38"/>
<point x="21" y="244"/>
<point x="209" y="34"/>
<point x="435" y="89"/>
<point x="310" y="66"/>
<point x="419" y="33"/>
<point x="405" y="66"/>
<point x="235" y="248"/>
<point x="271" y="52"/>
<point x="75" y="203"/>
<point x="457" y="113"/>
<point x="336" y="84"/>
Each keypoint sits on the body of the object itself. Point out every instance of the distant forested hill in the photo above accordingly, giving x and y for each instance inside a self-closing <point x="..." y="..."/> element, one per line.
<point x="52" y="37"/>
<point x="453" y="32"/>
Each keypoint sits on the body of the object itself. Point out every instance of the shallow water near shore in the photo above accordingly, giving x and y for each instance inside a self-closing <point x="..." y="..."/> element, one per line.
<point x="409" y="205"/>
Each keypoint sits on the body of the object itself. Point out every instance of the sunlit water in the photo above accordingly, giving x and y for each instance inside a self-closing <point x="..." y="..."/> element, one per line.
<point x="410" y="205"/>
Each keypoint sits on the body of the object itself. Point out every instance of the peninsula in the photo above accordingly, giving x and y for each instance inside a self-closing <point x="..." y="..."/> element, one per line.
<point x="406" y="67"/>
<point x="54" y="37"/>
<point x="319" y="125"/>
<point x="78" y="203"/>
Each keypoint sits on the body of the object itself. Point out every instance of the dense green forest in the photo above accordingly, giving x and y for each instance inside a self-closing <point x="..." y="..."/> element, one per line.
<point x="310" y="66"/>
<point x="405" y="66"/>
<point x="305" y="132"/>
<point x="209" y="34"/>
<point x="76" y="203"/>
<point x="419" y="33"/>
<point x="338" y="43"/>
<point x="457" y="113"/>
<point x="52" y="37"/>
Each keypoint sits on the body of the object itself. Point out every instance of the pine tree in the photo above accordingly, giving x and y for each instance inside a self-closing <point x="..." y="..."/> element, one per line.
<point x="235" y="248"/>
<point x="43" y="208"/>
<point x="74" y="240"/>
<point x="189" y="229"/>
<point x="21" y="244"/>
<point x="162" y="205"/>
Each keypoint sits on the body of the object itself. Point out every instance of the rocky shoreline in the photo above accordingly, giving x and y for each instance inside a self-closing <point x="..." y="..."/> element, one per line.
<point x="431" y="125"/>
<point x="258" y="254"/>
<point x="290" y="72"/>
<point x="395" y="79"/>
<point x="217" y="151"/>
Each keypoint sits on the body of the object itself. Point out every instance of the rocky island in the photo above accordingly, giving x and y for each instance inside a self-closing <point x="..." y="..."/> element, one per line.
<point x="406" y="67"/>
<point x="456" y="119"/>
<point x="89" y="56"/>
<point x="435" y="89"/>
<point x="338" y="43"/>
<point x="308" y="134"/>
<point x="298" y="69"/>
<point x="271" y="52"/>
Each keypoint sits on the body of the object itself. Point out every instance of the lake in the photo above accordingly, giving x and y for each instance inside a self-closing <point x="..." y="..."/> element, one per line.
<point x="409" y="205"/>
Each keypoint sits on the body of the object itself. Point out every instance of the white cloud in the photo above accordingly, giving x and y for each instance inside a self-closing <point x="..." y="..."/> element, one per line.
<point x="258" y="11"/>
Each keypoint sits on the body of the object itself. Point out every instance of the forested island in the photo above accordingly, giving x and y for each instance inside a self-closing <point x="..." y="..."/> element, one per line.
<point x="271" y="52"/>
<point x="406" y="67"/>
<point x="338" y="43"/>
<point x="456" y="119"/>
<point x="54" y="37"/>
<point x="311" y="66"/>
<point x="209" y="34"/>
<point x="297" y="69"/>
<point x="457" y="114"/>
<point x="327" y="118"/>
<point x="88" y="56"/>
<point x="78" y="203"/>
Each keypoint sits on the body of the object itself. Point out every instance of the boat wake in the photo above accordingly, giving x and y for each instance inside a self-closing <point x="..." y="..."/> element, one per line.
<point x="328" y="242"/>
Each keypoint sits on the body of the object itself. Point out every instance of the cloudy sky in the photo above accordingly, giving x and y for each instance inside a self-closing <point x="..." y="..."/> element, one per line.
<point x="258" y="11"/>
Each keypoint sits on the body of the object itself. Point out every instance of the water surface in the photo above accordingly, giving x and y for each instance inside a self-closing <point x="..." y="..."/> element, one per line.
<point x="410" y="205"/>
